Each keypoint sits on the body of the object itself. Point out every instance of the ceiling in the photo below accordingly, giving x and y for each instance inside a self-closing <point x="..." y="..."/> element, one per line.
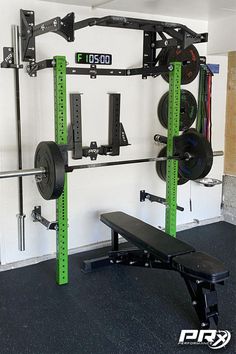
<point x="195" y="9"/>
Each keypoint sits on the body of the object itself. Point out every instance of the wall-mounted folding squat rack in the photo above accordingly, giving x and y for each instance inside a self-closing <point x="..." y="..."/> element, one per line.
<point x="157" y="38"/>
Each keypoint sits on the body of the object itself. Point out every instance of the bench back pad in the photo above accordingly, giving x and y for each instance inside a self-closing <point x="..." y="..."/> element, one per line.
<point x="145" y="236"/>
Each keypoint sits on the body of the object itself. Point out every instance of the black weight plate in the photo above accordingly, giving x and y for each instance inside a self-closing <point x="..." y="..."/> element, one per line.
<point x="161" y="168"/>
<point x="161" y="165"/>
<point x="48" y="155"/>
<point x="188" y="110"/>
<point x="190" y="59"/>
<point x="199" y="147"/>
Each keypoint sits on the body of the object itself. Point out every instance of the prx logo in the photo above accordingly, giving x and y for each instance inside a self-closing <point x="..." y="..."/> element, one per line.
<point x="215" y="339"/>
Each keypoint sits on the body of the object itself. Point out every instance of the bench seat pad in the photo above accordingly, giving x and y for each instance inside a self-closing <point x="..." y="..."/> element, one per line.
<point x="201" y="266"/>
<point x="145" y="236"/>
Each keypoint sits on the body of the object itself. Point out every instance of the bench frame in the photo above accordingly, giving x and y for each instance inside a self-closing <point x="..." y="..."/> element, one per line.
<point x="203" y="293"/>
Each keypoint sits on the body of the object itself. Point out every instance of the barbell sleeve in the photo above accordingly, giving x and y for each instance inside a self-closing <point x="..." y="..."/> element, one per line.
<point x="23" y="173"/>
<point x="218" y="153"/>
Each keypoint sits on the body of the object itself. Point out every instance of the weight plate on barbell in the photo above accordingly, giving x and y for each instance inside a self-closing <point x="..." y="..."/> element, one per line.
<point x="197" y="146"/>
<point x="48" y="156"/>
<point x="161" y="168"/>
<point x="190" y="59"/>
<point x="188" y="110"/>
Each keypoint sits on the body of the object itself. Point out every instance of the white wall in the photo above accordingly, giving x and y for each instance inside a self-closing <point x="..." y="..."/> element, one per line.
<point x="92" y="192"/>
<point x="221" y="35"/>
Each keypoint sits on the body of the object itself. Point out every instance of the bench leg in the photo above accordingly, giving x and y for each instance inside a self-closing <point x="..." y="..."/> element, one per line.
<point x="204" y="300"/>
<point x="92" y="264"/>
<point x="114" y="241"/>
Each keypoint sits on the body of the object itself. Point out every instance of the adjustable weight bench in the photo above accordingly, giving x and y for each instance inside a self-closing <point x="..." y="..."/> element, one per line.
<point x="156" y="249"/>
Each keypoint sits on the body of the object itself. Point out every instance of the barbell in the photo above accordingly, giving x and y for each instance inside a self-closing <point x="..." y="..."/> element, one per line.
<point x="191" y="149"/>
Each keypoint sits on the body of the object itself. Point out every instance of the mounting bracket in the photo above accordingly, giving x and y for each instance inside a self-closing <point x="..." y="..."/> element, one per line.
<point x="37" y="217"/>
<point x="8" y="59"/>
<point x="117" y="136"/>
<point x="171" y="35"/>
<point x="153" y="198"/>
<point x="62" y="26"/>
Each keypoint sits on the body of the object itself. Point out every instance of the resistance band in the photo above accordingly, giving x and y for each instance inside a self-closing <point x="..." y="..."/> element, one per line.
<point x="204" y="117"/>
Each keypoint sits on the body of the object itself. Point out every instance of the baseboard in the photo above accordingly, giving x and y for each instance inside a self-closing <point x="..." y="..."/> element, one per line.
<point x="97" y="245"/>
<point x="36" y="260"/>
<point x="196" y="223"/>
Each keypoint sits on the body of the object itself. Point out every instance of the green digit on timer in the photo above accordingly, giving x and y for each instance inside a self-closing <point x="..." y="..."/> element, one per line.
<point x="87" y="58"/>
<point x="79" y="57"/>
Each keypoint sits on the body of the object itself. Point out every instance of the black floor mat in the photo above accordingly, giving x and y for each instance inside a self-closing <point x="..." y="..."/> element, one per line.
<point x="115" y="310"/>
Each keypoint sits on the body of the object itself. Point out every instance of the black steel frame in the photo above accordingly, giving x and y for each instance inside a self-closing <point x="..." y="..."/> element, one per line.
<point x="93" y="71"/>
<point x="169" y="35"/>
<point x="154" y="198"/>
<point x="116" y="137"/>
<point x="203" y="294"/>
<point x="37" y="217"/>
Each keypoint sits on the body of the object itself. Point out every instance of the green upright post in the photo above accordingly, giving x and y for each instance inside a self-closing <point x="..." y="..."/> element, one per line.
<point x="172" y="165"/>
<point x="61" y="138"/>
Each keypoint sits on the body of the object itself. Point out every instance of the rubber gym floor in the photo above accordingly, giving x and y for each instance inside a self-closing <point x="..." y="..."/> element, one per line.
<point x="117" y="309"/>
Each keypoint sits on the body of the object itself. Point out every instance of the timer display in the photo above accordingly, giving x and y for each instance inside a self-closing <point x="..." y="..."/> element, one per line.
<point x="93" y="58"/>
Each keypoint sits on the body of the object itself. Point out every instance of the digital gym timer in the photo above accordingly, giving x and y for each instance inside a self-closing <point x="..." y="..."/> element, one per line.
<point x="93" y="58"/>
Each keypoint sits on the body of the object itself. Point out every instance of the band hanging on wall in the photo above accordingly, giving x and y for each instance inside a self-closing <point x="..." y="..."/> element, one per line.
<point x="204" y="116"/>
